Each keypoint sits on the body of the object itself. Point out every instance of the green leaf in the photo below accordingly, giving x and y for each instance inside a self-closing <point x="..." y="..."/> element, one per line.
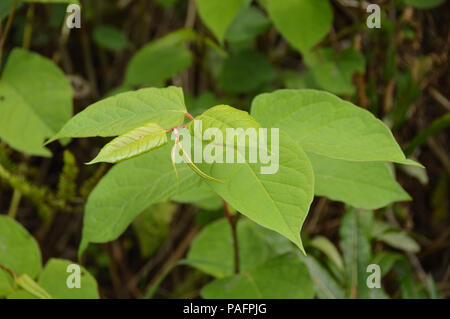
<point x="368" y="185"/>
<point x="333" y="72"/>
<point x="252" y="68"/>
<point x="202" y="196"/>
<point x="212" y="250"/>
<point x="327" y="247"/>
<point x="28" y="284"/>
<point x="19" y="251"/>
<point x="386" y="260"/>
<point x="32" y="107"/>
<point x="6" y="283"/>
<point x="326" y="125"/>
<point x="218" y="14"/>
<point x="282" y="277"/>
<point x="110" y="38"/>
<point x="54" y="279"/>
<point x="152" y="226"/>
<point x="161" y="59"/>
<point x="136" y="142"/>
<point x="302" y="22"/>
<point x="424" y="4"/>
<point x="123" y="112"/>
<point x="325" y="285"/>
<point x="249" y="23"/>
<point x="278" y="201"/>
<point x="5" y="7"/>
<point x="21" y="294"/>
<point x="399" y="240"/>
<point x="128" y="189"/>
<point x="357" y="253"/>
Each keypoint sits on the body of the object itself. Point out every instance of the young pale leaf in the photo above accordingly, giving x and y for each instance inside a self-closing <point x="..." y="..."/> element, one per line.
<point x="161" y="59"/>
<point x="129" y="188"/>
<point x="19" y="251"/>
<point x="302" y="22"/>
<point x="212" y="250"/>
<point x="28" y="284"/>
<point x="32" y="107"/>
<point x="368" y="185"/>
<point x="326" y="125"/>
<point x="123" y="112"/>
<point x="138" y="141"/>
<point x="282" y="277"/>
<point x="356" y="249"/>
<point x="218" y="14"/>
<point x="278" y="201"/>
<point x="55" y="276"/>
<point x="110" y="38"/>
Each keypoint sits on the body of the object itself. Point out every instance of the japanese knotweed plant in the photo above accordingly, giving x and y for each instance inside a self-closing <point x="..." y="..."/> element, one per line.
<point x="327" y="147"/>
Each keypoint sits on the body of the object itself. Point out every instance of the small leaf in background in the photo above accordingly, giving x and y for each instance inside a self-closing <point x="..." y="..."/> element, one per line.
<point x="326" y="125"/>
<point x="32" y="107"/>
<point x="399" y="240"/>
<point x="424" y="4"/>
<point x="136" y="142"/>
<point x="160" y="59"/>
<point x="252" y="68"/>
<point x="152" y="227"/>
<point x="196" y="105"/>
<point x="212" y="250"/>
<point x="356" y="250"/>
<point x="327" y="247"/>
<point x="123" y="112"/>
<point x="368" y="185"/>
<point x="334" y="71"/>
<point x="325" y="285"/>
<point x="218" y="14"/>
<point x="54" y="280"/>
<point x="5" y="7"/>
<point x="249" y="23"/>
<point x="19" y="251"/>
<point x="282" y="277"/>
<point x="386" y="260"/>
<point x="302" y="22"/>
<point x="110" y="38"/>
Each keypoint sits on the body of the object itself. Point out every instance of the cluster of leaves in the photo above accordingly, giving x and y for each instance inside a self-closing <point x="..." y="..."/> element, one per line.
<point x="328" y="147"/>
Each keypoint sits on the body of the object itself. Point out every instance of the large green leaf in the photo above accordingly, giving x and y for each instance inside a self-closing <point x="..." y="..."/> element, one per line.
<point x="19" y="251"/>
<point x="54" y="280"/>
<point x="326" y="125"/>
<point x="32" y="107"/>
<point x="356" y="249"/>
<point x="302" y="22"/>
<point x="368" y="185"/>
<point x="278" y="201"/>
<point x="212" y="250"/>
<point x="218" y="14"/>
<point x="139" y="140"/>
<point x="129" y="188"/>
<point x="282" y="277"/>
<point x="123" y="112"/>
<point x="161" y="59"/>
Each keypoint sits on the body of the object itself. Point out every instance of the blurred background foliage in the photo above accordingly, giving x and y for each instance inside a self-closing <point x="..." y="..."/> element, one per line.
<point x="172" y="250"/>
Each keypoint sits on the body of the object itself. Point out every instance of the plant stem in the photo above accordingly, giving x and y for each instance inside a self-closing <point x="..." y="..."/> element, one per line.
<point x="233" y="224"/>
<point x="7" y="28"/>
<point x="15" y="201"/>
<point x="28" y="27"/>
